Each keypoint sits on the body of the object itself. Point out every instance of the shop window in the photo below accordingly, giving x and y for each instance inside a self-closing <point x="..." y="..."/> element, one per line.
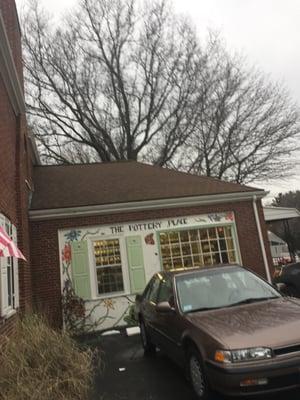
<point x="108" y="266"/>
<point x="197" y="247"/>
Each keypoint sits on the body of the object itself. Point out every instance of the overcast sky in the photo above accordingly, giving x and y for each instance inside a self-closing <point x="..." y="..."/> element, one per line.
<point x="265" y="31"/>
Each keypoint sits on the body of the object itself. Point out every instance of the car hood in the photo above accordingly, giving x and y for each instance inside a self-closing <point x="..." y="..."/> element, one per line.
<point x="272" y="323"/>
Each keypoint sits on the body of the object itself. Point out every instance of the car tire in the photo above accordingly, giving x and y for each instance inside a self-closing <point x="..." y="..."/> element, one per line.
<point x="148" y="346"/>
<point x="196" y="374"/>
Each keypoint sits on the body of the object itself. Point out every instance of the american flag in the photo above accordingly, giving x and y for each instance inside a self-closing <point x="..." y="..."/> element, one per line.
<point x="7" y="247"/>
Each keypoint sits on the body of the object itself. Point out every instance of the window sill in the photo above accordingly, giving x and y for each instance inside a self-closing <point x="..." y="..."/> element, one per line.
<point x="110" y="296"/>
<point x="9" y="314"/>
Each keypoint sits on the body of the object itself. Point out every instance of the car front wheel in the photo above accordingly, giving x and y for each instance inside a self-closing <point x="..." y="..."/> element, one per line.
<point x="196" y="374"/>
<point x="149" y="347"/>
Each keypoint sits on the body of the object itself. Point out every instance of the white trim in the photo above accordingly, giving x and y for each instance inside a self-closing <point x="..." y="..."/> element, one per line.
<point x="280" y="213"/>
<point x="9" y="72"/>
<point x="73" y="212"/>
<point x="261" y="240"/>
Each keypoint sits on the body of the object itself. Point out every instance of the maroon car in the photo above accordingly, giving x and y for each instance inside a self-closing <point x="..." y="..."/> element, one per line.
<point x="231" y="330"/>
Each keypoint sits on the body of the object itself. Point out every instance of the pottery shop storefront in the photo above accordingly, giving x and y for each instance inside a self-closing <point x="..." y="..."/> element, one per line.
<point x="107" y="265"/>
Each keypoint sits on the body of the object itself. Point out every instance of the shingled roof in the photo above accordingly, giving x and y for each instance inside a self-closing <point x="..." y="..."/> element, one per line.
<point x="64" y="186"/>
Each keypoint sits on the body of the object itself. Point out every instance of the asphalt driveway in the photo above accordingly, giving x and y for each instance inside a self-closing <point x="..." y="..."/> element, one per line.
<point x="127" y="375"/>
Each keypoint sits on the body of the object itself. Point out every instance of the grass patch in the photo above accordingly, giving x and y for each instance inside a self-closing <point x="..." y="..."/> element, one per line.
<point x="38" y="363"/>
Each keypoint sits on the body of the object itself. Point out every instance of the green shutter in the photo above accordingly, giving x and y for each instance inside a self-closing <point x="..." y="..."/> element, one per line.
<point x="80" y="269"/>
<point x="136" y="264"/>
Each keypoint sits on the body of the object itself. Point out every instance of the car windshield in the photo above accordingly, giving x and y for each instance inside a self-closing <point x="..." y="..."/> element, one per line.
<point x="210" y="289"/>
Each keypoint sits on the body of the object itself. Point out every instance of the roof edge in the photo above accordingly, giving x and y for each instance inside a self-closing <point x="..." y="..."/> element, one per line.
<point x="83" y="211"/>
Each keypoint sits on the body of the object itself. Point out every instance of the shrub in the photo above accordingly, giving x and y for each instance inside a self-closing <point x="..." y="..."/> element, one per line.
<point x="38" y="363"/>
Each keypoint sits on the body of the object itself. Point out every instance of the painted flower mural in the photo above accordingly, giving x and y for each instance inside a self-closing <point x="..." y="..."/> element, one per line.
<point x="67" y="253"/>
<point x="73" y="235"/>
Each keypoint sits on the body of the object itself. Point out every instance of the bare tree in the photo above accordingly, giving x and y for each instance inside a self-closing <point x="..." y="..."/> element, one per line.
<point x="248" y="127"/>
<point x="117" y="79"/>
<point x="122" y="79"/>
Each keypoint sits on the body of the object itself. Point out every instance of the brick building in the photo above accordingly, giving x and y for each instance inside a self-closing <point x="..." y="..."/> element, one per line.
<point x="106" y="228"/>
<point x="17" y="157"/>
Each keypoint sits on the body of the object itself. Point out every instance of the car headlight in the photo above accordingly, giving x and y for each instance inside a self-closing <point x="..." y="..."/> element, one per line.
<point x="242" y="355"/>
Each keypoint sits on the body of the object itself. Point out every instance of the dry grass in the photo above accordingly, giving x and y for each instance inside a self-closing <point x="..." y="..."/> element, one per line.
<point x="38" y="363"/>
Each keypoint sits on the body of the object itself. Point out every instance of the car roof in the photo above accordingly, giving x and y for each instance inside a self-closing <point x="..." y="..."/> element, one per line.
<point x="186" y="271"/>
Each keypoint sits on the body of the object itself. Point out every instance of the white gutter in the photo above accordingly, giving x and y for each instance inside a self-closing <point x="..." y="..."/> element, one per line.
<point x="72" y="212"/>
<point x="261" y="239"/>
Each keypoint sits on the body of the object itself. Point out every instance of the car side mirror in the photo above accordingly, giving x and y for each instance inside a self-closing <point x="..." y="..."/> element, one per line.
<point x="138" y="297"/>
<point x="164" y="307"/>
<point x="282" y="288"/>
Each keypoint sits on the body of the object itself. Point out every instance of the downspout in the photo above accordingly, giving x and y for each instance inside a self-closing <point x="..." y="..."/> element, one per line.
<point x="261" y="240"/>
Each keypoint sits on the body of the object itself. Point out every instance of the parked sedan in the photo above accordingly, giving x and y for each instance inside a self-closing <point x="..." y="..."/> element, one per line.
<point x="289" y="278"/>
<point x="231" y="330"/>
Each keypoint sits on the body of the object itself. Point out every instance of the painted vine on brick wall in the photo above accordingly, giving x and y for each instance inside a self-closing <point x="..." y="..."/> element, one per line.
<point x="77" y="319"/>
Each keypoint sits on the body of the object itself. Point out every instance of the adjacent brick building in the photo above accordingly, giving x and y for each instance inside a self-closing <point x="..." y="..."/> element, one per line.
<point x="17" y="156"/>
<point x="105" y="228"/>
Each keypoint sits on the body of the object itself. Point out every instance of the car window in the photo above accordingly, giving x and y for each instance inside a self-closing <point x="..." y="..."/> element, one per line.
<point x="166" y="292"/>
<point x="147" y="289"/>
<point x="153" y="291"/>
<point x="218" y="288"/>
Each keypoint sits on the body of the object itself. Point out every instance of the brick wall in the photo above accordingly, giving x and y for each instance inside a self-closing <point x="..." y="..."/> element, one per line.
<point x="45" y="256"/>
<point x="11" y="21"/>
<point x="15" y="165"/>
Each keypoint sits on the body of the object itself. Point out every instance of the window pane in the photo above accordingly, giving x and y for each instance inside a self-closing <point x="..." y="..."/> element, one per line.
<point x="214" y="245"/>
<point x="198" y="261"/>
<point x="184" y="236"/>
<point x="167" y="264"/>
<point x="221" y="231"/>
<point x="205" y="247"/>
<point x="203" y="234"/>
<point x="187" y="262"/>
<point x="225" y="258"/>
<point x="186" y="250"/>
<point x="177" y="263"/>
<point x="232" y="257"/>
<point x="109" y="266"/>
<point x="207" y="259"/>
<point x="216" y="258"/>
<point x="222" y="243"/>
<point x="228" y="231"/>
<point x="176" y="250"/>
<point x="174" y="237"/>
<point x="196" y="248"/>
<point x="110" y="280"/>
<point x="164" y="238"/>
<point x="212" y="233"/>
<point x="230" y="245"/>
<point x="194" y="235"/>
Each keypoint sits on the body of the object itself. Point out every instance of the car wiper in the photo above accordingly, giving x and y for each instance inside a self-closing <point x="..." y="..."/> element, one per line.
<point x="203" y="309"/>
<point x="252" y="300"/>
